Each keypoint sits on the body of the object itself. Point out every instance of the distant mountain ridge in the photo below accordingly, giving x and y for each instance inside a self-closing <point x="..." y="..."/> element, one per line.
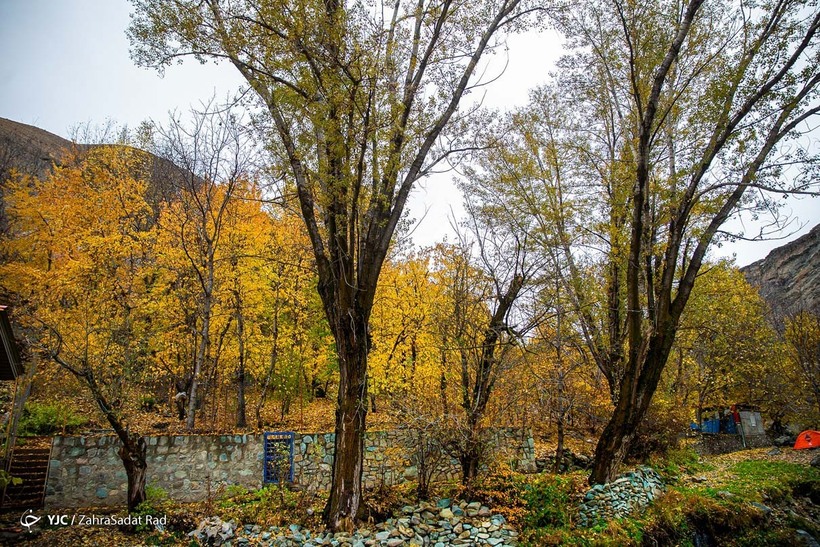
<point x="35" y="151"/>
<point x="789" y="277"/>
<point x="29" y="149"/>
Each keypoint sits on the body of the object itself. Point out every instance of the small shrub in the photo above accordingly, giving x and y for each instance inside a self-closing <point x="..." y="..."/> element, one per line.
<point x="381" y="502"/>
<point x="6" y="479"/>
<point x="503" y="491"/>
<point x="148" y="403"/>
<point x="659" y="431"/>
<point x="548" y="499"/>
<point x="271" y="505"/>
<point x="48" y="419"/>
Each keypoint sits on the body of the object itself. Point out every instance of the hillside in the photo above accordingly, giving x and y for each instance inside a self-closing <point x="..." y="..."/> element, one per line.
<point x="789" y="277"/>
<point x="28" y="148"/>
<point x="34" y="151"/>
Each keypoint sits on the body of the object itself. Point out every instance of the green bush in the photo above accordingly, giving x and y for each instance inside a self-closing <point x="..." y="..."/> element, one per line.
<point x="6" y="479"/>
<point x="548" y="499"/>
<point x="148" y="403"/>
<point x="48" y="419"/>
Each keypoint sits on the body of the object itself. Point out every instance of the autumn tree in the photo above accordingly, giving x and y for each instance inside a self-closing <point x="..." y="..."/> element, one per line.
<point x="404" y="354"/>
<point x="677" y="117"/>
<point x="723" y="338"/>
<point x="81" y="238"/>
<point x="214" y="153"/>
<point x="802" y="337"/>
<point x="247" y="269"/>
<point x="358" y="98"/>
<point x="483" y="280"/>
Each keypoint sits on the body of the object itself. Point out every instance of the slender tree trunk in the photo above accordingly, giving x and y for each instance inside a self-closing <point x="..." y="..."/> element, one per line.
<point x="442" y="387"/>
<point x="274" y="356"/>
<point x="559" y="358"/>
<point x="241" y="419"/>
<point x="559" y="449"/>
<point x="200" y="359"/>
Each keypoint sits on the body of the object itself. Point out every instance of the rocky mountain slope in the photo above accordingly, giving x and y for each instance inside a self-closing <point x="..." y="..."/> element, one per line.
<point x="789" y="277"/>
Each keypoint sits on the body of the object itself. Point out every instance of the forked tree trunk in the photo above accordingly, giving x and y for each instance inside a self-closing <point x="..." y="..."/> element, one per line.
<point x="346" y="488"/>
<point x="637" y="387"/>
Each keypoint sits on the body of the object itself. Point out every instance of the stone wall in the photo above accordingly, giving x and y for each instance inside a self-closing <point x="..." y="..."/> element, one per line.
<point x="627" y="493"/>
<point x="86" y="471"/>
<point x="390" y="457"/>
<point x="723" y="443"/>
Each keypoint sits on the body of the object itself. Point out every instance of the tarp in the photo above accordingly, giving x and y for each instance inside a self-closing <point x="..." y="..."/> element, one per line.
<point x="807" y="439"/>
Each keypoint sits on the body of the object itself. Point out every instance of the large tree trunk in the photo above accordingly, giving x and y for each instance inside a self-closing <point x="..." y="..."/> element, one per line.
<point x="470" y="457"/>
<point x="346" y="489"/>
<point x="132" y="454"/>
<point x="637" y="388"/>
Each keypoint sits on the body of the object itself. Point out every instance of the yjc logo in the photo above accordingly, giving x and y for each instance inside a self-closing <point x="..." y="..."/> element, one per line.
<point x="29" y="519"/>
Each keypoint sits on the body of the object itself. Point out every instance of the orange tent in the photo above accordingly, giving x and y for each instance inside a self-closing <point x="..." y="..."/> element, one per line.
<point x="807" y="439"/>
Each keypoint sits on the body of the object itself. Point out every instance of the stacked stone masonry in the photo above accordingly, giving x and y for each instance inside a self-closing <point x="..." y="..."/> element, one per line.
<point x="87" y="471"/>
<point x="628" y="493"/>
<point x="722" y="443"/>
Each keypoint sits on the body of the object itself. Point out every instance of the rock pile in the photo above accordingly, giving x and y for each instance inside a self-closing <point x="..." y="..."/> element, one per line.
<point x="571" y="462"/>
<point x="629" y="492"/>
<point x="443" y="524"/>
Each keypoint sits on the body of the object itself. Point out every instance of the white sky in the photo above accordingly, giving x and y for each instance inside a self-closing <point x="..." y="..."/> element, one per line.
<point x="66" y="62"/>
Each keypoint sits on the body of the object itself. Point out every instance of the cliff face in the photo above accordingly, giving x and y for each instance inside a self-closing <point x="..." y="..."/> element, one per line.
<point x="789" y="277"/>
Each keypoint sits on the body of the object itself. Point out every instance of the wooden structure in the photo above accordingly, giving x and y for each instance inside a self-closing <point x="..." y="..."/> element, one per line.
<point x="10" y="365"/>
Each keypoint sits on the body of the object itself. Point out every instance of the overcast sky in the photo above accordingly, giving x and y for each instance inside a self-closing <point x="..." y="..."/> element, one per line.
<point x="66" y="62"/>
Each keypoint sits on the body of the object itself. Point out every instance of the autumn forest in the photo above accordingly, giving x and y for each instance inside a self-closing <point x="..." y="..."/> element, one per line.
<point x="250" y="265"/>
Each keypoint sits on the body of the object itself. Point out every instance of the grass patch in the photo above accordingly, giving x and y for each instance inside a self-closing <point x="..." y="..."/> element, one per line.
<point x="48" y="419"/>
<point x="678" y="462"/>
<point x="718" y="511"/>
<point x="272" y="505"/>
<point x="754" y="479"/>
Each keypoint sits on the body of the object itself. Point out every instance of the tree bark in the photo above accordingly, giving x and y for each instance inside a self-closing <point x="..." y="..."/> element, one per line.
<point x="470" y="457"/>
<point x="241" y="419"/>
<point x="351" y="411"/>
<point x="637" y="388"/>
<point x="132" y="454"/>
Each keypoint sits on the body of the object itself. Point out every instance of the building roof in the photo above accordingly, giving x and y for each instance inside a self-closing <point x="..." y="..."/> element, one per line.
<point x="10" y="364"/>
